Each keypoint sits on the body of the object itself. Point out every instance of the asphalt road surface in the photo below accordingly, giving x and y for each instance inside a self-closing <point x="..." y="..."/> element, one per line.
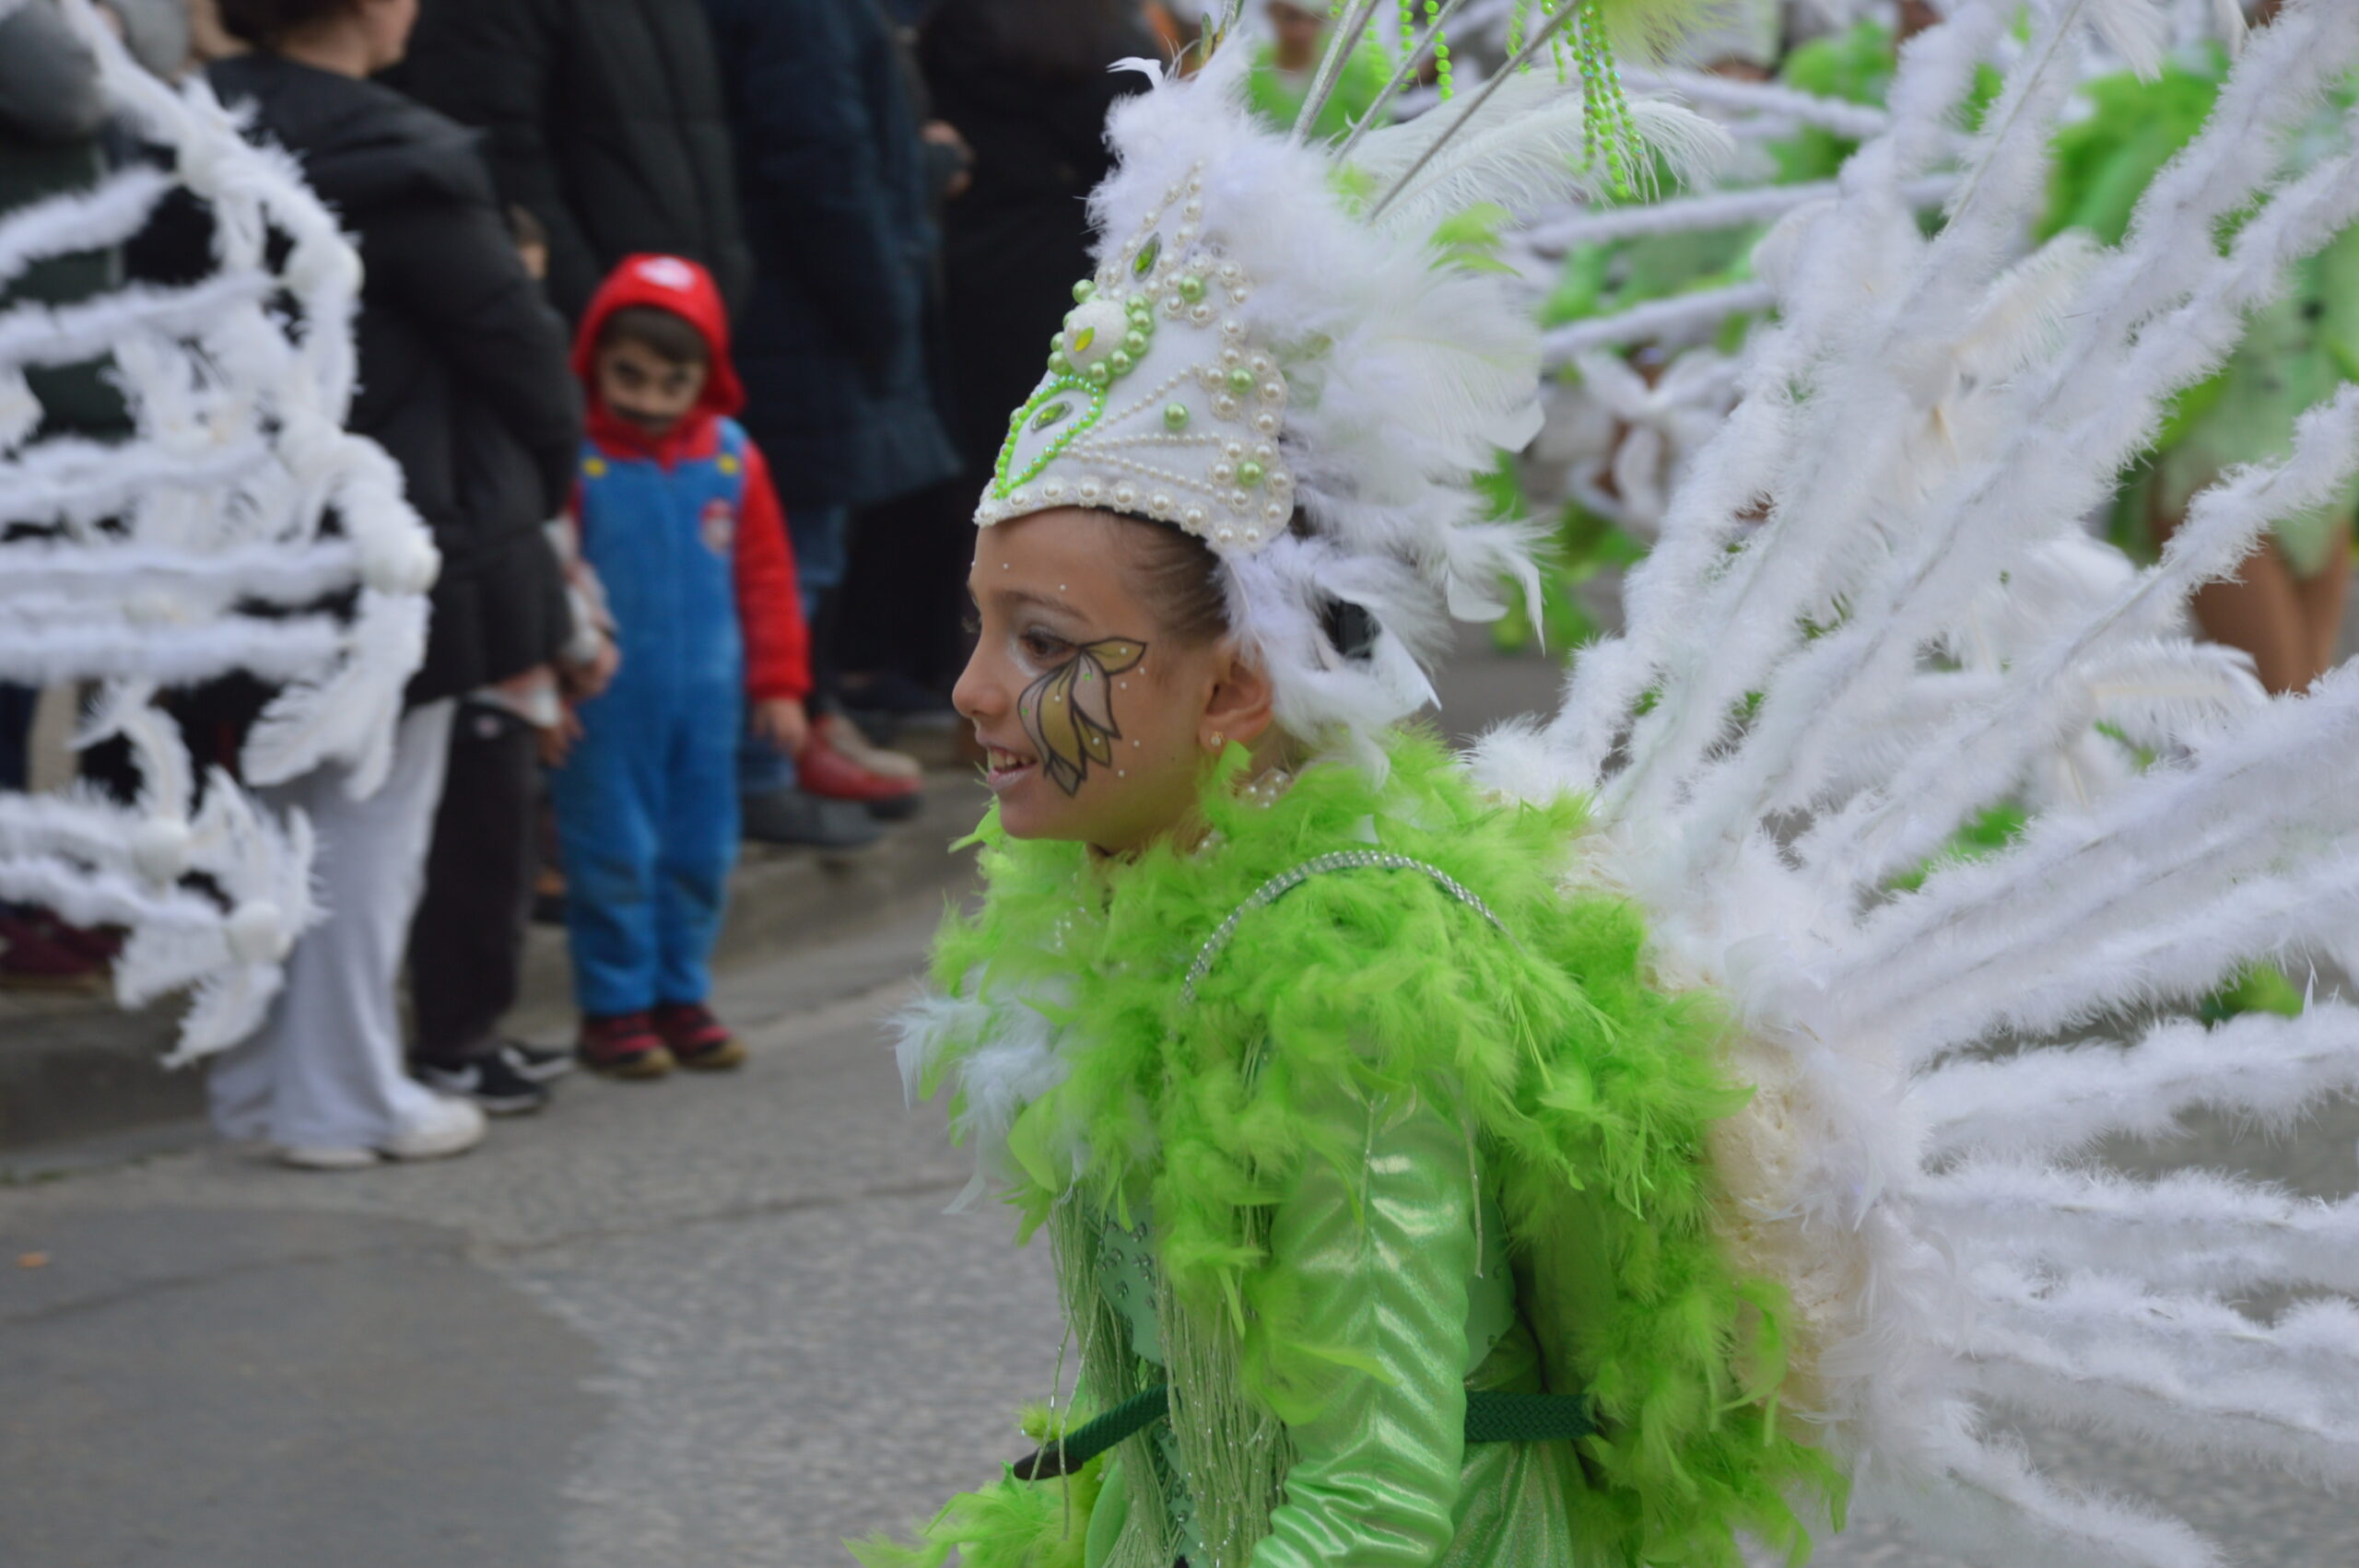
<point x="703" y="1323"/>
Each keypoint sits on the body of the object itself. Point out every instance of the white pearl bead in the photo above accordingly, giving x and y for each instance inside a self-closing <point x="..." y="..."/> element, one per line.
<point x="1266" y="423"/>
<point x="1201" y="314"/>
<point x="1239" y="501"/>
<point x="1091" y="489"/>
<point x="1125" y="495"/>
<point x="1276" y="511"/>
<point x="1159" y="504"/>
<point x="1235" y="449"/>
<point x="1227" y="536"/>
<point x="1194" y="517"/>
<point x="1273" y="392"/>
<point x="1264" y="454"/>
<point x="1223" y="472"/>
<point x="1225" y="407"/>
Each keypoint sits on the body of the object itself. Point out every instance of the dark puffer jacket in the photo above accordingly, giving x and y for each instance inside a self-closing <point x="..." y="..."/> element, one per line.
<point x="836" y="346"/>
<point x="463" y="376"/>
<point x="602" y="118"/>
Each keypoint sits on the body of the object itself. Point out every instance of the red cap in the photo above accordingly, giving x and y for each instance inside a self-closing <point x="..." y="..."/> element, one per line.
<point x="667" y="283"/>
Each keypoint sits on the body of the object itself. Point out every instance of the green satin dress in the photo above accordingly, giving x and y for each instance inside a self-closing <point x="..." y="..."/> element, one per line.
<point x="1403" y="1263"/>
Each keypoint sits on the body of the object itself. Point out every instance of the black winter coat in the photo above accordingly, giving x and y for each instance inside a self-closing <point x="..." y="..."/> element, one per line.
<point x="835" y="347"/>
<point x="463" y="367"/>
<point x="1015" y="243"/>
<point x="602" y="118"/>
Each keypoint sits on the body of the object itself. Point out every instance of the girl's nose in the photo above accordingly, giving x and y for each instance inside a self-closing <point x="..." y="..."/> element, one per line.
<point x="977" y="696"/>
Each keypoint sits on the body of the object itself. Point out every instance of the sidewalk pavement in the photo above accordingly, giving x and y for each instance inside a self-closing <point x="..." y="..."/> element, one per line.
<point x="72" y="1067"/>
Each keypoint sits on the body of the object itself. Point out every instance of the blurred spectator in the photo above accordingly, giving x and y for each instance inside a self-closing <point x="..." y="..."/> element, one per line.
<point x="676" y="513"/>
<point x="1023" y="86"/>
<point x="834" y="345"/>
<point x="1025" y="83"/>
<point x="463" y="380"/>
<point x="466" y="943"/>
<point x="603" y="119"/>
<point x="1283" y="68"/>
<point x="52" y="113"/>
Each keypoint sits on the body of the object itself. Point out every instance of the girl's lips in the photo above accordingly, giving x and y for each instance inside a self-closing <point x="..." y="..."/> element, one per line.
<point x="1003" y="770"/>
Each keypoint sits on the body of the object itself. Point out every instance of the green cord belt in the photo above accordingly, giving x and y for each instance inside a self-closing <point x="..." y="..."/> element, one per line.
<point x="1491" y="1417"/>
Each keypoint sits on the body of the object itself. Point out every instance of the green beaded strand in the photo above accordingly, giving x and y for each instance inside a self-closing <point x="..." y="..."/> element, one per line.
<point x="1441" y="48"/>
<point x="1607" y="129"/>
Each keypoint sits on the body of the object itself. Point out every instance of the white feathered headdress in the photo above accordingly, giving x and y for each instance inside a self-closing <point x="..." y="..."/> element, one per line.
<point x="1277" y="356"/>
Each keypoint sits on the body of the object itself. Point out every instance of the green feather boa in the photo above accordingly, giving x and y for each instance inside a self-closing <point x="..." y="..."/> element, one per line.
<point x="1588" y="1091"/>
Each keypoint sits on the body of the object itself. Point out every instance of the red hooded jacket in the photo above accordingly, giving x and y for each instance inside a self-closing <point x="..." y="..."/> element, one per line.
<point x="769" y="604"/>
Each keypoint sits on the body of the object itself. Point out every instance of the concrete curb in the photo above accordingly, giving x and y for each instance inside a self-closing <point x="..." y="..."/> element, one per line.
<point x="74" y="1068"/>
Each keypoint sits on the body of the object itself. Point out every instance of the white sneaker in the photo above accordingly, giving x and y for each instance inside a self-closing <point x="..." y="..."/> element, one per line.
<point x="453" y="1127"/>
<point x="310" y="1157"/>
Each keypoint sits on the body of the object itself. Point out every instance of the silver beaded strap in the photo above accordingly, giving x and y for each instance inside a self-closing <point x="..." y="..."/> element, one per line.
<point x="1278" y="886"/>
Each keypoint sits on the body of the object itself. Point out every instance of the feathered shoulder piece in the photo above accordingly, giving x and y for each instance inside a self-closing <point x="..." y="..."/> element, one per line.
<point x="1142" y="1030"/>
<point x="1276" y="354"/>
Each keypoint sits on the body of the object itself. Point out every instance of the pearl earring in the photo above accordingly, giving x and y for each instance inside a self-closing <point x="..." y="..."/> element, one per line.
<point x="1216" y="742"/>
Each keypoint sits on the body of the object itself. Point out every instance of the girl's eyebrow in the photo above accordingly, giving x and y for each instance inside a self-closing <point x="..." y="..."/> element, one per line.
<point x="1025" y="596"/>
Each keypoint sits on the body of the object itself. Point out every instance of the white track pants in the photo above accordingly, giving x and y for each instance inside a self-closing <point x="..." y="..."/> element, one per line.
<point x="325" y="1070"/>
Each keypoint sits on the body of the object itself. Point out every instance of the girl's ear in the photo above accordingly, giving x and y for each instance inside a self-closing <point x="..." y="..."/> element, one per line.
<point x="1240" y="706"/>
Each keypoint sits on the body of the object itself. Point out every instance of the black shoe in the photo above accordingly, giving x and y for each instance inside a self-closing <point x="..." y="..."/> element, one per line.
<point x="490" y="1082"/>
<point x="790" y="816"/>
<point x="540" y="1065"/>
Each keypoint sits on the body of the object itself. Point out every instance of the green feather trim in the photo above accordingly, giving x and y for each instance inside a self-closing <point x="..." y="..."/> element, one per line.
<point x="1589" y="1090"/>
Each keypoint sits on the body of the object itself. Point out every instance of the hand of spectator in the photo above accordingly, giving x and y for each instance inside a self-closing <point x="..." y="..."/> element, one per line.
<point x="781" y="721"/>
<point x="943" y="134"/>
<point x="583" y="682"/>
<point x="556" y="741"/>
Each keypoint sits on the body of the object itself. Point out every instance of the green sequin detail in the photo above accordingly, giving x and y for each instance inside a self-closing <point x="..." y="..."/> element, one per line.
<point x="1147" y="255"/>
<point x="1055" y="403"/>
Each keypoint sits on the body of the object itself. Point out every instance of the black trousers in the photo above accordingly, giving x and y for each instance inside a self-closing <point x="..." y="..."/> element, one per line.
<point x="466" y="945"/>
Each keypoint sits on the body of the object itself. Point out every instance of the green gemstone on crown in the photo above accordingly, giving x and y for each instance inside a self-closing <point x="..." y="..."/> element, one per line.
<point x="1148" y="254"/>
<point x="1083" y="339"/>
<point x="1051" y="415"/>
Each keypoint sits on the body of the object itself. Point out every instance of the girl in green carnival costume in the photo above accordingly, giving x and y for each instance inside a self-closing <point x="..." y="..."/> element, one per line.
<point x="1372" y="1163"/>
<point x="1412" y="1199"/>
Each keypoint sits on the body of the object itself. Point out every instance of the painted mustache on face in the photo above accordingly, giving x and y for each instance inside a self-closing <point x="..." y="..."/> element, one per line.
<point x="1069" y="712"/>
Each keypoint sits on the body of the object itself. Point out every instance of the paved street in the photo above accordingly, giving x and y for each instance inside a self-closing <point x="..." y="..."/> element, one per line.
<point x="696" y="1324"/>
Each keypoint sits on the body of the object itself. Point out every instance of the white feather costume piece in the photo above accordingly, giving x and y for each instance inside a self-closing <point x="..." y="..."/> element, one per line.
<point x="1870" y="614"/>
<point x="141" y="562"/>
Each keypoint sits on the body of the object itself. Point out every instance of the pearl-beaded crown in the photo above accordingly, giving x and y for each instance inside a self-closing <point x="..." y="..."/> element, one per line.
<point x="1157" y="402"/>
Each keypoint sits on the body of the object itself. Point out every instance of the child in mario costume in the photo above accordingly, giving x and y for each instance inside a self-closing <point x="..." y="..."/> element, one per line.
<point x="676" y="516"/>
